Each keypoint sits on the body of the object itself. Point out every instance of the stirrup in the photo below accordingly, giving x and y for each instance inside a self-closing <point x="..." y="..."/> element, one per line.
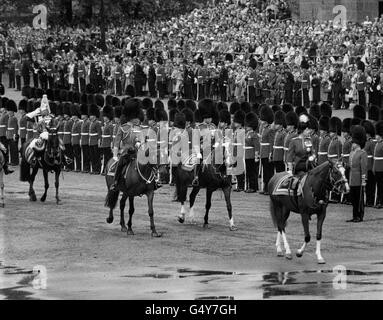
<point x="195" y="182"/>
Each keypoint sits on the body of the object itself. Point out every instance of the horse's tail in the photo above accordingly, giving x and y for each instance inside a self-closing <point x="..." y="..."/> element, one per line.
<point x="273" y="213"/>
<point x="25" y="170"/>
<point x="111" y="199"/>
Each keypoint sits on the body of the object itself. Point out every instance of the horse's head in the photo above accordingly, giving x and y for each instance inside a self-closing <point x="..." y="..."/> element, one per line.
<point x="338" y="178"/>
<point x="52" y="150"/>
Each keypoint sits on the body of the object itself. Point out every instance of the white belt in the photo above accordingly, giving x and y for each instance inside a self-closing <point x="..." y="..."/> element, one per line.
<point x="60" y="132"/>
<point x="378" y="158"/>
<point x="332" y="155"/>
<point x="84" y="134"/>
<point x="29" y="129"/>
<point x="322" y="153"/>
<point x="286" y="149"/>
<point x="2" y="125"/>
<point x="105" y="136"/>
<point x="265" y="144"/>
<point x="360" y="82"/>
<point x="278" y="147"/>
<point x="369" y="156"/>
<point x="75" y="134"/>
<point x="346" y="155"/>
<point x="93" y="134"/>
<point x="22" y="128"/>
<point x="66" y="132"/>
<point x="11" y="128"/>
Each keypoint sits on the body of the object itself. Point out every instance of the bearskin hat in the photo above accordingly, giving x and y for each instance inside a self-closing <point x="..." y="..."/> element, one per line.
<point x="66" y="108"/>
<point x="116" y="102"/>
<point x="324" y="123"/>
<point x="197" y="116"/>
<point x="224" y="116"/>
<point x="75" y="110"/>
<point x="25" y="91"/>
<point x="39" y="93"/>
<point x="299" y="110"/>
<point x="36" y="105"/>
<point x="172" y="104"/>
<point x="379" y="128"/>
<point x="63" y="95"/>
<point x="91" y="99"/>
<point x="346" y="125"/>
<point x="76" y="97"/>
<point x="69" y="96"/>
<point x="147" y="103"/>
<point x="23" y="104"/>
<point x="30" y="105"/>
<point x="355" y="121"/>
<point x="266" y="114"/>
<point x="280" y="118"/>
<point x="150" y="114"/>
<point x="369" y="127"/>
<point x="56" y="108"/>
<point x="252" y="121"/>
<point x="2" y="90"/>
<point x="234" y="107"/>
<point x="291" y="119"/>
<point x="361" y="66"/>
<point x="100" y="100"/>
<point x="141" y="115"/>
<point x="158" y="104"/>
<point x="108" y="100"/>
<point x="83" y="98"/>
<point x="11" y="106"/>
<point x="315" y="111"/>
<point x="287" y="107"/>
<point x="190" y="104"/>
<point x="33" y="93"/>
<point x="160" y="115"/>
<point x="222" y="106"/>
<point x="56" y="94"/>
<point x="179" y="120"/>
<point x="131" y="109"/>
<point x="276" y="108"/>
<point x="358" y="134"/>
<point x="239" y="117"/>
<point x="172" y="114"/>
<point x="325" y="110"/>
<point x="206" y="106"/>
<point x="245" y="107"/>
<point x="373" y="113"/>
<point x="255" y="108"/>
<point x="130" y="91"/>
<point x="200" y="61"/>
<point x="305" y="64"/>
<point x="336" y="125"/>
<point x="359" y="112"/>
<point x="117" y="111"/>
<point x="181" y="104"/>
<point x="90" y="89"/>
<point x="189" y="115"/>
<point x="313" y="123"/>
<point x="84" y="109"/>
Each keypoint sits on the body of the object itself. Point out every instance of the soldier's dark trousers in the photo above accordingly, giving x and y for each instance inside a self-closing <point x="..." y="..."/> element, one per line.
<point x="77" y="156"/>
<point x="82" y="84"/>
<point x="357" y="202"/>
<point x="252" y="169"/>
<point x="118" y="87"/>
<point x="201" y="91"/>
<point x="106" y="156"/>
<point x="22" y="141"/>
<point x="306" y="99"/>
<point x="379" y="185"/>
<point x="85" y="158"/>
<point x="252" y="97"/>
<point x="69" y="154"/>
<point x="223" y="93"/>
<point x="50" y="82"/>
<point x="18" y="83"/>
<point x="268" y="172"/>
<point x="362" y="98"/>
<point x="26" y="80"/>
<point x="14" y="151"/>
<point x="35" y="80"/>
<point x="11" y="80"/>
<point x="279" y="166"/>
<point x="152" y="89"/>
<point x="241" y="182"/>
<point x="95" y="158"/>
<point x="370" y="188"/>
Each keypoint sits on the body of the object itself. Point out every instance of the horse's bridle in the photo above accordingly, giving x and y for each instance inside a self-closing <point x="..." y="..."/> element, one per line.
<point x="337" y="184"/>
<point x="153" y="172"/>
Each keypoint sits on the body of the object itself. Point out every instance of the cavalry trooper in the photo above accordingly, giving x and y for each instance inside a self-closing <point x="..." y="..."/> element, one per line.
<point x="346" y="149"/>
<point x="68" y="125"/>
<point x="267" y="140"/>
<point x="76" y="135"/>
<point x="23" y="106"/>
<point x="291" y="132"/>
<point x="279" y="138"/>
<point x="369" y="148"/>
<point x="206" y="128"/>
<point x="378" y="163"/>
<point x="324" y="139"/>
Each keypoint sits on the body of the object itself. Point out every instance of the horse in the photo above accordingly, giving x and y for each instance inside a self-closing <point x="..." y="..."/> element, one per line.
<point x="139" y="179"/>
<point x="212" y="177"/>
<point x="307" y="195"/>
<point x="49" y="159"/>
<point x="2" y="161"/>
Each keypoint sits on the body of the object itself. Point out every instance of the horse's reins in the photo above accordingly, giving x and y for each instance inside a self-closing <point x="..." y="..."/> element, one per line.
<point x="152" y="174"/>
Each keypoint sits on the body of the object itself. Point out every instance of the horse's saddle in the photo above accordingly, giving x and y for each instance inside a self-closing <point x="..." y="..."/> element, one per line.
<point x="190" y="162"/>
<point x="112" y="169"/>
<point x="289" y="185"/>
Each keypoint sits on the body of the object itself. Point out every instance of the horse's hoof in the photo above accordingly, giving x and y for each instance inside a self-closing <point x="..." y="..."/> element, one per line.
<point x="109" y="220"/>
<point x="130" y="232"/>
<point x="156" y="235"/>
<point x="43" y="199"/>
<point x="181" y="220"/>
<point x="206" y="226"/>
<point x="321" y="261"/>
<point x="124" y="229"/>
<point x="233" y="228"/>
<point x="33" y="199"/>
<point x="58" y="202"/>
<point x="299" y="254"/>
<point x="280" y="254"/>
<point x="288" y="256"/>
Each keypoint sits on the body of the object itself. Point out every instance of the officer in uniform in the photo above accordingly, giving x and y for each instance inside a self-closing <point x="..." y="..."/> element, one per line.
<point x="68" y="125"/>
<point x="358" y="172"/>
<point x="18" y="67"/>
<point x="361" y="84"/>
<point x="84" y="140"/>
<point x="346" y="149"/>
<point x="76" y="136"/>
<point x="377" y="168"/>
<point x="107" y="136"/>
<point x="23" y="106"/>
<point x="324" y="139"/>
<point x="94" y="138"/>
<point x="13" y="133"/>
<point x="279" y="138"/>
<point x="267" y="140"/>
<point x="305" y="83"/>
<point x="252" y="150"/>
<point x="161" y="81"/>
<point x="291" y="132"/>
<point x="239" y="123"/>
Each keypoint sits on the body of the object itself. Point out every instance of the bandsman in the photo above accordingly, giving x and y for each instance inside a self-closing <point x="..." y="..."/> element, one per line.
<point x="23" y="123"/>
<point x="252" y="152"/>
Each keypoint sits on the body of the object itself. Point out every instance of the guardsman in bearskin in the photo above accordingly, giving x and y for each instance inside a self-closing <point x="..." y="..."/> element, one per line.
<point x="23" y="106"/>
<point x="3" y="125"/>
<point x="76" y="135"/>
<point x="13" y="133"/>
<point x="30" y="108"/>
<point x="84" y="139"/>
<point x="252" y="151"/>
<point x="377" y="168"/>
<point x="68" y="125"/>
<point x="305" y="83"/>
<point x="324" y="139"/>
<point x="201" y="75"/>
<point x="95" y="134"/>
<point x="291" y="132"/>
<point x="346" y="149"/>
<point x="334" y="153"/>
<point x="117" y="121"/>
<point x="369" y="148"/>
<point x="361" y="84"/>
<point x="238" y="124"/>
<point x="161" y="80"/>
<point x="373" y="114"/>
<point x="58" y="111"/>
<point x="81" y="75"/>
<point x="127" y="140"/>
<point x="267" y="140"/>
<point x="279" y="138"/>
<point x="358" y="172"/>
<point x="107" y="136"/>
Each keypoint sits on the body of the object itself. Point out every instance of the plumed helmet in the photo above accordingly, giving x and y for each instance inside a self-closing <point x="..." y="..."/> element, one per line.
<point x="299" y="110"/>
<point x="191" y="105"/>
<point x="324" y="123"/>
<point x="158" y="104"/>
<point x="315" y="111"/>
<point x="179" y="120"/>
<point x="379" y="128"/>
<point x="234" y="107"/>
<point x="23" y="104"/>
<point x="252" y="121"/>
<point x="325" y="110"/>
<point x="147" y="103"/>
<point x="358" y="134"/>
<point x="181" y="104"/>
<point x="84" y="109"/>
<point x="160" y="115"/>
<point x="150" y="114"/>
<point x="107" y="111"/>
<point x="303" y="122"/>
<point x="346" y="125"/>
<point x="131" y="109"/>
<point x="359" y="112"/>
<point x="189" y="115"/>
<point x="11" y="106"/>
<point x="100" y="100"/>
<point x="369" y="127"/>
<point x="280" y="118"/>
<point x="245" y="107"/>
<point x="373" y="113"/>
<point x="287" y="107"/>
<point x="172" y="104"/>
<point x="130" y="91"/>
<point x="206" y="106"/>
<point x="239" y="117"/>
<point x="66" y="108"/>
<point x="336" y="125"/>
<point x="224" y="116"/>
<point x="266" y="114"/>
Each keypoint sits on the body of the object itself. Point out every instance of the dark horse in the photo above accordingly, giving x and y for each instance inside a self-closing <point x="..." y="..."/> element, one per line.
<point x="50" y="159"/>
<point x="212" y="177"/>
<point x="313" y="199"/>
<point x="139" y="179"/>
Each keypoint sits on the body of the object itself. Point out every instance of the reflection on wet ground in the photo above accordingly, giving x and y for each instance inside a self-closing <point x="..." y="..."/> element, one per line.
<point x="360" y="282"/>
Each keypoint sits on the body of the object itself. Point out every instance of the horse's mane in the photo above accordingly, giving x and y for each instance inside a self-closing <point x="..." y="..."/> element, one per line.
<point x="317" y="170"/>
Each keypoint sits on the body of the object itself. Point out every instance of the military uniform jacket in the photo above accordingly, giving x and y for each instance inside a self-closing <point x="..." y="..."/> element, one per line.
<point x="23" y="127"/>
<point x="12" y="127"/>
<point x="369" y="148"/>
<point x="4" y="124"/>
<point x="29" y="130"/>
<point x="267" y="140"/>
<point x="178" y="136"/>
<point x="60" y="129"/>
<point x="95" y="132"/>
<point x="84" y="141"/>
<point x="358" y="167"/>
<point x="107" y="135"/>
<point x="115" y="129"/>
<point x="334" y="152"/>
<point x="252" y="144"/>
<point x="68" y="131"/>
<point x="346" y="149"/>
<point x="127" y="136"/>
<point x="361" y="82"/>
<point x="315" y="140"/>
<point x="288" y="137"/>
<point x="204" y="130"/>
<point x="76" y="132"/>
<point x="305" y="80"/>
<point x="300" y="149"/>
<point x="378" y="157"/>
<point x="278" y="145"/>
<point x="251" y="79"/>
<point x="324" y="143"/>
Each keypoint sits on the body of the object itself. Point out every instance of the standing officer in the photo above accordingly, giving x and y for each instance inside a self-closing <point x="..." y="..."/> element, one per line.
<point x="252" y="148"/>
<point x="291" y="132"/>
<point x="67" y="137"/>
<point x="23" y="106"/>
<point x="95" y="134"/>
<point x="324" y="139"/>
<point x="18" y="69"/>
<point x="13" y="133"/>
<point x="107" y="136"/>
<point x="377" y="168"/>
<point x="267" y="140"/>
<point x="76" y="136"/>
<point x="346" y="149"/>
<point x="361" y="84"/>
<point x="305" y="83"/>
<point x="84" y="141"/>
<point x="279" y="138"/>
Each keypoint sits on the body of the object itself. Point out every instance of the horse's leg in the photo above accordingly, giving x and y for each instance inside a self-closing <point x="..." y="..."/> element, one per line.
<point x="32" y="194"/>
<point x="57" y="179"/>
<point x="321" y="216"/>
<point x="110" y="218"/>
<point x="2" y="204"/>
<point x="209" y="193"/>
<point x="193" y="196"/>
<point x="122" y="208"/>
<point x="131" y="211"/>
<point x="305" y="221"/>
<point x="226" y="193"/>
<point x="278" y="244"/>
<point x="285" y="216"/>
<point x="46" y="185"/>
<point x="150" y="196"/>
